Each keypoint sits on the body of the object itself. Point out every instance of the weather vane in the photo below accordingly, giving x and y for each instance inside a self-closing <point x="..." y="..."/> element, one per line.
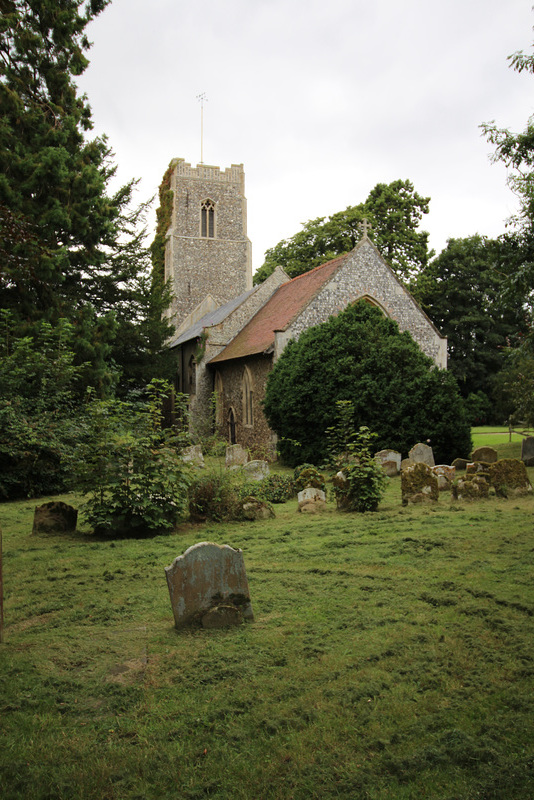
<point x="202" y="99"/>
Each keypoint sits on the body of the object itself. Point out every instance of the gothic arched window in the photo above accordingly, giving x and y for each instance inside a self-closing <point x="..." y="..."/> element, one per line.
<point x="248" y="397"/>
<point x="207" y="219"/>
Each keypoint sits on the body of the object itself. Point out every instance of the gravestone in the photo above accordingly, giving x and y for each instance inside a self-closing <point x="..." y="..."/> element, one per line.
<point x="254" y="508"/>
<point x="390" y="461"/>
<point x="255" y="470"/>
<point x="445" y="475"/>
<point x="193" y="455"/>
<point x="205" y="578"/>
<point x="509" y="476"/>
<point x="460" y="463"/>
<point x="236" y="456"/>
<point x="527" y="451"/>
<point x="55" y="517"/>
<point x="311" y="500"/>
<point x="422" y="454"/>
<point x="419" y="485"/>
<point x="486" y="454"/>
<point x="474" y="487"/>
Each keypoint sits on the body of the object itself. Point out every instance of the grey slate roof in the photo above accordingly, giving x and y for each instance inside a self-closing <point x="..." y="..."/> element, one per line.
<point x="211" y="318"/>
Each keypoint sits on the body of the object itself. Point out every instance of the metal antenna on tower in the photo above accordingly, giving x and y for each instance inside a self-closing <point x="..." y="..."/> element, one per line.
<point x="202" y="99"/>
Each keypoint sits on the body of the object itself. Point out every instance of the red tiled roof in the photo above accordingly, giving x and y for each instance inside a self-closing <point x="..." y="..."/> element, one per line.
<point x="277" y="313"/>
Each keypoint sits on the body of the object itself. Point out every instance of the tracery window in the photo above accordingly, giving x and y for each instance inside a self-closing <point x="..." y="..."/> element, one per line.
<point x="207" y="219"/>
<point x="248" y="398"/>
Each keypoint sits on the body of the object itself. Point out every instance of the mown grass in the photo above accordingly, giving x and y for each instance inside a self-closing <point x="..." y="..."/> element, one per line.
<point x="391" y="656"/>
<point x="494" y="435"/>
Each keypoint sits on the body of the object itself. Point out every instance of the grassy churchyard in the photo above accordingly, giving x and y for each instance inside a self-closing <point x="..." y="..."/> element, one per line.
<point x="391" y="656"/>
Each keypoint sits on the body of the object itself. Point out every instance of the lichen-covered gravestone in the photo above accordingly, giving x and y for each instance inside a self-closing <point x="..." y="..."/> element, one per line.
<point x="208" y="585"/>
<point x="311" y="500"/>
<point x="422" y="454"/>
<point x="445" y="475"/>
<point x="193" y="455"/>
<point x="419" y="485"/>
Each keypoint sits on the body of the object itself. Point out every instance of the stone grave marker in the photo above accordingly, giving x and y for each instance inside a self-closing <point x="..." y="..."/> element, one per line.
<point x="422" y="454"/>
<point x="390" y="461"/>
<point x="311" y="500"/>
<point x="255" y="470"/>
<point x="445" y="475"/>
<point x="419" y="485"/>
<point x="55" y="517"/>
<point x="193" y="455"/>
<point x="236" y="456"/>
<point x="527" y="451"/>
<point x="208" y="585"/>
<point x="486" y="454"/>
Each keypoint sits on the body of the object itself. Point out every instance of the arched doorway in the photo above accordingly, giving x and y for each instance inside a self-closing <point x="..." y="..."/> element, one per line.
<point x="232" y="438"/>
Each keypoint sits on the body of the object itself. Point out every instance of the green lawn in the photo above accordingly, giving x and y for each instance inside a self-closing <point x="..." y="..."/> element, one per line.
<point x="391" y="656"/>
<point x="494" y="435"/>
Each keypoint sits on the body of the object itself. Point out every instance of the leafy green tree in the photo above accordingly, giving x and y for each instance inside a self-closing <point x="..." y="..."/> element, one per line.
<point x="463" y="292"/>
<point x="394" y="211"/>
<point x="361" y="356"/>
<point x="69" y="248"/>
<point x="130" y="466"/>
<point x="38" y="389"/>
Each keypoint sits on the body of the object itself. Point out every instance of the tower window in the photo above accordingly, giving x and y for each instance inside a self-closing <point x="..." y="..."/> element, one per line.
<point x="207" y="219"/>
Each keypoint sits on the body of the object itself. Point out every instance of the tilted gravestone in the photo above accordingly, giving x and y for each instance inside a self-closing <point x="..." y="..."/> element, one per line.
<point x="55" y="517"/>
<point x="527" y="451"/>
<point x="422" y="454"/>
<point x="486" y="454"/>
<point x="208" y="585"/>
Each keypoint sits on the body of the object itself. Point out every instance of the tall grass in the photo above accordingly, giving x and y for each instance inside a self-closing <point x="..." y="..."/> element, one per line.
<point x="391" y="656"/>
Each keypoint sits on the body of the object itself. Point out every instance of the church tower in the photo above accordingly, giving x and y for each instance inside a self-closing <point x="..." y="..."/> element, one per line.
<point x="208" y="255"/>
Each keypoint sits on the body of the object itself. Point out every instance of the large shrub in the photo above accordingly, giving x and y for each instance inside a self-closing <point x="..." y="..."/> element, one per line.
<point x="361" y="356"/>
<point x="131" y="467"/>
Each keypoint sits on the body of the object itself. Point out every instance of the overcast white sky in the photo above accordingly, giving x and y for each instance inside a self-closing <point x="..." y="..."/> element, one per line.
<point x="319" y="99"/>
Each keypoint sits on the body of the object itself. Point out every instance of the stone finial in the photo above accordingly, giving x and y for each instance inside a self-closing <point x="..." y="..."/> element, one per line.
<point x="365" y="227"/>
<point x="206" y="577"/>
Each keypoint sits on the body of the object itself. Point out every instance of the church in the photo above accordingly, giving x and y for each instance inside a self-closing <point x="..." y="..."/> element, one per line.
<point x="229" y="333"/>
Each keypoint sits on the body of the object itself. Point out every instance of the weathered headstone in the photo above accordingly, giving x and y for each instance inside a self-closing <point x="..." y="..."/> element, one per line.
<point x="311" y="500"/>
<point x="55" y="517"/>
<point x="445" y="475"/>
<point x="527" y="451"/>
<point x="487" y="454"/>
<point x="419" y="484"/>
<point x="460" y="463"/>
<point x="205" y="578"/>
<point x="474" y="487"/>
<point x="255" y="470"/>
<point x="236" y="456"/>
<point x="509" y="476"/>
<point x="406" y="462"/>
<point x="422" y="454"/>
<point x="390" y="461"/>
<point x="254" y="508"/>
<point x="193" y="455"/>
